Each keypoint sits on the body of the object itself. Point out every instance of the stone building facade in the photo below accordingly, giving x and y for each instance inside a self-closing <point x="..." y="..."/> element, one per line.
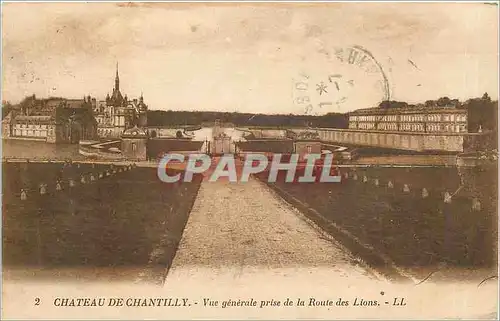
<point x="53" y="120"/>
<point x="116" y="112"/>
<point x="303" y="147"/>
<point x="419" y="120"/>
<point x="134" y="142"/>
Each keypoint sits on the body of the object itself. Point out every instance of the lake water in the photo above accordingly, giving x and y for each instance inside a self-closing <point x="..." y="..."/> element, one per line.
<point x="205" y="133"/>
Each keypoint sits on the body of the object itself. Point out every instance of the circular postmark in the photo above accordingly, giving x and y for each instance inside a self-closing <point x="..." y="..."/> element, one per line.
<point x="354" y="79"/>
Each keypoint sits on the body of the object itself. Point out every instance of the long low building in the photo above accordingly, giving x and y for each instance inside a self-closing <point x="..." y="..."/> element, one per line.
<point x="410" y="119"/>
<point x="418" y="128"/>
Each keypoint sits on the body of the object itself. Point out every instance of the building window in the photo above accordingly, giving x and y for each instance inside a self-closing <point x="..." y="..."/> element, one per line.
<point x="134" y="147"/>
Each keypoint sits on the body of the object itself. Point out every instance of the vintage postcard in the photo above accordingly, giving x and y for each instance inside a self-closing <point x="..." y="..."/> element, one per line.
<point x="249" y="160"/>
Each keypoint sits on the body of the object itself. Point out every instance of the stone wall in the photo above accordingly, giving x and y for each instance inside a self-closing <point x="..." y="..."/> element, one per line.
<point x="158" y="146"/>
<point x="396" y="140"/>
<point x="447" y="142"/>
<point x="405" y="141"/>
<point x="268" y="133"/>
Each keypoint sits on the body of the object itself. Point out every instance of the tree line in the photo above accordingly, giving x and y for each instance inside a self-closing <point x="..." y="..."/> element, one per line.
<point x="176" y="118"/>
<point x="482" y="112"/>
<point x="443" y="102"/>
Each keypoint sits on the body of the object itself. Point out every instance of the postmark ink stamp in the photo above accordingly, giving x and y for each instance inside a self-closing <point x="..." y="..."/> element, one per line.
<point x="353" y="73"/>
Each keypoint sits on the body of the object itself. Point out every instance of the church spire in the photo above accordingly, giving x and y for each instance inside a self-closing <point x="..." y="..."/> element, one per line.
<point x="117" y="79"/>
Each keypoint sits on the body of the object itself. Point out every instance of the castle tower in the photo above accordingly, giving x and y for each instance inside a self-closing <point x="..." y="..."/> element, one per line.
<point x="117" y="79"/>
<point x="143" y="112"/>
<point x="116" y="98"/>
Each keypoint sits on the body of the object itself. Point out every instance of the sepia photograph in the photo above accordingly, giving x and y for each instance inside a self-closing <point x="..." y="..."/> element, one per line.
<point x="249" y="160"/>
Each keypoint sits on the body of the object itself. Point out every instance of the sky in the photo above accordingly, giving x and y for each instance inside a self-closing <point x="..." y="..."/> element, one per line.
<point x="258" y="58"/>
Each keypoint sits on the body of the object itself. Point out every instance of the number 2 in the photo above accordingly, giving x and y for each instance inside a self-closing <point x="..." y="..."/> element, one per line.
<point x="37" y="301"/>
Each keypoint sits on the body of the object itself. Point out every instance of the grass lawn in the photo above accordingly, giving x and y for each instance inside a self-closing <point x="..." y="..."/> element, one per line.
<point x="413" y="232"/>
<point x="113" y="222"/>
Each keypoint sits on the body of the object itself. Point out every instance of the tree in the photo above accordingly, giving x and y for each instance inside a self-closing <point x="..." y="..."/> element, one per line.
<point x="6" y="108"/>
<point x="430" y="103"/>
<point x="385" y="104"/>
<point x="486" y="97"/>
<point x="443" y="102"/>
<point x="393" y="104"/>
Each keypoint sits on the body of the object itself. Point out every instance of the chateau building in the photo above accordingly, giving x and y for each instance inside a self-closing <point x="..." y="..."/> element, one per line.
<point x="53" y="120"/>
<point x="117" y="113"/>
<point x="421" y="120"/>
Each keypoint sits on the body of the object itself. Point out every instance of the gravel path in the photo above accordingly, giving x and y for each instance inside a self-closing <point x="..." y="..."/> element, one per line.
<point x="238" y="230"/>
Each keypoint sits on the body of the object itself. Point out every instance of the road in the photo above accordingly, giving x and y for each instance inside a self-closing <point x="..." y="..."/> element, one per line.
<point x="242" y="233"/>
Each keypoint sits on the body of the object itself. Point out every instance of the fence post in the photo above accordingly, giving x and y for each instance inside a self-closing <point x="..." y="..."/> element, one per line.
<point x="447" y="198"/>
<point x="23" y="195"/>
<point x="43" y="190"/>
<point x="476" y="205"/>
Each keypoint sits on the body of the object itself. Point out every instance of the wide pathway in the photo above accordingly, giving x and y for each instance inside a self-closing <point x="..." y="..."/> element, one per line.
<point x="243" y="234"/>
